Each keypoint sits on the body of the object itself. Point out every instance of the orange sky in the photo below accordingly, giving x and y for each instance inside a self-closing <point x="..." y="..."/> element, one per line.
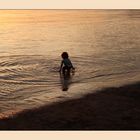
<point x="69" y="4"/>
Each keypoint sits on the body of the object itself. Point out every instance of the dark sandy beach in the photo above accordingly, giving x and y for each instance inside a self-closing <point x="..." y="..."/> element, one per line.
<point x="108" y="109"/>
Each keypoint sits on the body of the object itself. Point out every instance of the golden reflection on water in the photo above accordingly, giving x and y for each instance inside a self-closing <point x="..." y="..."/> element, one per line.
<point x="45" y="31"/>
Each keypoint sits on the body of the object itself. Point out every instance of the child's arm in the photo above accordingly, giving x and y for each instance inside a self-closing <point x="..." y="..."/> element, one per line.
<point x="72" y="66"/>
<point x="61" y="66"/>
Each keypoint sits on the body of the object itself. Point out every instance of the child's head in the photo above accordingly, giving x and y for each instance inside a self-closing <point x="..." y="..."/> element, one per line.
<point x="64" y="55"/>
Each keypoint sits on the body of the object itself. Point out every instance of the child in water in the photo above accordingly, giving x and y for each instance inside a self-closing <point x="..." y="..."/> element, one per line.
<point x="66" y="62"/>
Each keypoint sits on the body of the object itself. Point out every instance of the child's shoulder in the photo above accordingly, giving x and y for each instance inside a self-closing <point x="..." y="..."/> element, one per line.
<point x="66" y="59"/>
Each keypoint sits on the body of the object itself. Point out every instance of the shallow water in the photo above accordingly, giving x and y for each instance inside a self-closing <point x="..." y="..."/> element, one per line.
<point x="104" y="46"/>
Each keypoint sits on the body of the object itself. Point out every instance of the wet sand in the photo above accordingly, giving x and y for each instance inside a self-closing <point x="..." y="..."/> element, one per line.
<point x="108" y="109"/>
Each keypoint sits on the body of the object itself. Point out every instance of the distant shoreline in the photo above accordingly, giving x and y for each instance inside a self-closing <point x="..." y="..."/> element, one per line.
<point x="108" y="109"/>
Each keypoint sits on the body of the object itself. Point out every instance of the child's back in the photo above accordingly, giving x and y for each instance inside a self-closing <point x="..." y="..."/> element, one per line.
<point x="67" y="62"/>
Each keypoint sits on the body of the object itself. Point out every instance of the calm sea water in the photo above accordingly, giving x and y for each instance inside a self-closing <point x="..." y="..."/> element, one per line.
<point x="104" y="46"/>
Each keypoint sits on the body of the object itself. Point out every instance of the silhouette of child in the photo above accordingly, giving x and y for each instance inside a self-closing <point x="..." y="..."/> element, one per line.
<point x="66" y="64"/>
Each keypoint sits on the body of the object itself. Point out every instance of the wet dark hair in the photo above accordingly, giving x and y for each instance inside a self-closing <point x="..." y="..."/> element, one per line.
<point x="64" y="55"/>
